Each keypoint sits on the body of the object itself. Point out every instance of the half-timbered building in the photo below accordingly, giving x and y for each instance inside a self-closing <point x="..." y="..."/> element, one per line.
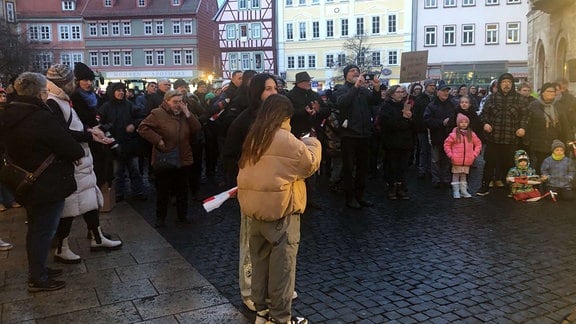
<point x="246" y="35"/>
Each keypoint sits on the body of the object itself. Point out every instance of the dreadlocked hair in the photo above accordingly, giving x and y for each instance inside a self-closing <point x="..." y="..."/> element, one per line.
<point x="274" y="111"/>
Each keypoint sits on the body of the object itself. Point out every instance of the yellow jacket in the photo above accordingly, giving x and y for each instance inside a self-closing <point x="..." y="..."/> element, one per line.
<point x="274" y="187"/>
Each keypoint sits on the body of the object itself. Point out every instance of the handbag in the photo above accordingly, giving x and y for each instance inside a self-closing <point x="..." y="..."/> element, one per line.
<point x="167" y="160"/>
<point x="19" y="180"/>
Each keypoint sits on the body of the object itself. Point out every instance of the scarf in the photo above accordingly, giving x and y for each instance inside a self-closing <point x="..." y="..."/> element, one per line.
<point x="550" y="113"/>
<point x="558" y="157"/>
<point x="89" y="97"/>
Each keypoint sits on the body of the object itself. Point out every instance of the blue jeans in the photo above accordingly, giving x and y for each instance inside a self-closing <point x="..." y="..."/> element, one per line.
<point x="441" y="165"/>
<point x="424" y="154"/>
<point x="129" y="164"/>
<point x="6" y="196"/>
<point x="42" y="224"/>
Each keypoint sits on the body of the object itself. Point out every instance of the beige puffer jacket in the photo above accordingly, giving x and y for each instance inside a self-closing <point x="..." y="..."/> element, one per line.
<point x="274" y="187"/>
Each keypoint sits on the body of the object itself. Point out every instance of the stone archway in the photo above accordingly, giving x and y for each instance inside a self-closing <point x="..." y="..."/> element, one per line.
<point x="560" y="67"/>
<point x="540" y="66"/>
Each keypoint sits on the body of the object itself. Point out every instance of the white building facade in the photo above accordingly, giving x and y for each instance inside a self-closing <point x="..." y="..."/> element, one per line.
<point x="473" y="41"/>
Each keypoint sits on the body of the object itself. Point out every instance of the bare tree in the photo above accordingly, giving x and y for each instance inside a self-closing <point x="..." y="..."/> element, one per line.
<point x="358" y="51"/>
<point x="15" y="53"/>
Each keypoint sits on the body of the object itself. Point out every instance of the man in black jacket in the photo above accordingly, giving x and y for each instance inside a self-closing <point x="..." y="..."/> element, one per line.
<point x="354" y="100"/>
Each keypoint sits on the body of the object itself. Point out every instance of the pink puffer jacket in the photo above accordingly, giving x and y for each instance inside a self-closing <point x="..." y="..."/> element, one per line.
<point x="462" y="153"/>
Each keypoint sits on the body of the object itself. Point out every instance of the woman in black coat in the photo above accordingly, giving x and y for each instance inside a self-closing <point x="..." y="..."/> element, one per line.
<point x="32" y="133"/>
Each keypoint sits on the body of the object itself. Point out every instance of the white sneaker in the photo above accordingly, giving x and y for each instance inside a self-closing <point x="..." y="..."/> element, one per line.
<point x="105" y="244"/>
<point x="5" y="246"/>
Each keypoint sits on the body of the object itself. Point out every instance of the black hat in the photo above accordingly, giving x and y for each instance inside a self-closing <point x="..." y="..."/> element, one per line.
<point x="302" y="77"/>
<point x="83" y="72"/>
<point x="348" y="68"/>
<point x="506" y="76"/>
<point x="441" y="85"/>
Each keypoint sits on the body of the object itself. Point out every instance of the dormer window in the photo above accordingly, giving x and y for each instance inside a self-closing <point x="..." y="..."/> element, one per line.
<point x="108" y="3"/>
<point x="175" y="2"/>
<point x="141" y="3"/>
<point x="68" y="5"/>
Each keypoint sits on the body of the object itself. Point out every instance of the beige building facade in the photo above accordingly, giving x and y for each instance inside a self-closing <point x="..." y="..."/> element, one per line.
<point x="552" y="41"/>
<point x="312" y="35"/>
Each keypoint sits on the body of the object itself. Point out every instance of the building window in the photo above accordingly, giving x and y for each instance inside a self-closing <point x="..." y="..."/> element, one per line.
<point x="245" y="61"/>
<point x="93" y="58"/>
<point x="108" y="3"/>
<point x="491" y="33"/>
<point x="258" y="62"/>
<point x="256" y="30"/>
<point x="69" y="32"/>
<point x="376" y="25"/>
<point x="159" y="27"/>
<point x="393" y="58"/>
<point x="289" y="3"/>
<point x="467" y="34"/>
<point x="103" y="29"/>
<point x="105" y="58"/>
<point x="70" y="58"/>
<point x="187" y="26"/>
<point x="255" y="4"/>
<point x="242" y="4"/>
<point x="513" y="1"/>
<point x="176" y="27"/>
<point x="160" y="57"/>
<point x="449" y="35"/>
<point x="115" y="29"/>
<point x="468" y="3"/>
<point x="148" y="57"/>
<point x="175" y="2"/>
<point x="376" y="58"/>
<point x="128" y="58"/>
<point x="302" y="28"/>
<point x="430" y="4"/>
<point x="315" y="29"/>
<point x="233" y="62"/>
<point x="311" y="61"/>
<point x="116" y="58"/>
<point x="341" y="59"/>
<point x="93" y="29"/>
<point x="360" y="26"/>
<point x="289" y="31"/>
<point x="513" y="33"/>
<point x="301" y="61"/>
<point x="302" y="2"/>
<point x="141" y="3"/>
<point x="147" y="28"/>
<point x="329" y="60"/>
<point x="449" y="3"/>
<point x="291" y="62"/>
<point x="10" y="15"/>
<point x="42" y="61"/>
<point x="68" y="5"/>
<point x="392" y="23"/>
<point x="177" y="57"/>
<point x="344" y="27"/>
<point x="329" y="28"/>
<point x="243" y="32"/>
<point x="492" y="2"/>
<point x="39" y="33"/>
<point x="189" y="57"/>
<point x="126" y="28"/>
<point x="430" y="36"/>
<point x="230" y="31"/>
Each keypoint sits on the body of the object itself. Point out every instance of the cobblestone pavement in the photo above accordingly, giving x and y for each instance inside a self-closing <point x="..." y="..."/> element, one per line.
<point x="431" y="259"/>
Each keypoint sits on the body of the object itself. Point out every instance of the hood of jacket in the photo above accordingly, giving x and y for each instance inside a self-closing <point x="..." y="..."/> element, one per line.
<point x="19" y="109"/>
<point x="520" y="155"/>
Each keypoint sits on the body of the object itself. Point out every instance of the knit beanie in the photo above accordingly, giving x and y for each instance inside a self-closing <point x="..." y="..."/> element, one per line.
<point x="348" y="68"/>
<point x="557" y="143"/>
<point x="60" y="74"/>
<point x="461" y="117"/>
<point x="506" y="76"/>
<point x="83" y="72"/>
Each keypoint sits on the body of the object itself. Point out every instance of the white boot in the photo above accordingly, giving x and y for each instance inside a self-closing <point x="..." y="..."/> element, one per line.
<point x="100" y="242"/>
<point x="456" y="189"/>
<point x="63" y="254"/>
<point x="464" y="190"/>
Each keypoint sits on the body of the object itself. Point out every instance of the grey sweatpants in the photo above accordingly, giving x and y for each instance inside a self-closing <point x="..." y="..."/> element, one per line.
<point x="273" y="249"/>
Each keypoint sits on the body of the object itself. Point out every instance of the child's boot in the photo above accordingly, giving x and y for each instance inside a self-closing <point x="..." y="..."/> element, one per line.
<point x="456" y="190"/>
<point x="464" y="190"/>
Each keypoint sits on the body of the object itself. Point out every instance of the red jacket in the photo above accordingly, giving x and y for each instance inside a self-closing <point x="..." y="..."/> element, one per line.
<point x="462" y="153"/>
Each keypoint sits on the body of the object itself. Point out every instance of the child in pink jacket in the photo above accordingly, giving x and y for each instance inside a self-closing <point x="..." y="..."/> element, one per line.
<point x="462" y="146"/>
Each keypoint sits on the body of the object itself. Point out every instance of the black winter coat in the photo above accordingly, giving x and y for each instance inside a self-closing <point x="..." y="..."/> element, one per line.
<point x="302" y="122"/>
<point x="397" y="131"/>
<point x="434" y="115"/>
<point x="475" y="124"/>
<point x="355" y="105"/>
<point x="31" y="134"/>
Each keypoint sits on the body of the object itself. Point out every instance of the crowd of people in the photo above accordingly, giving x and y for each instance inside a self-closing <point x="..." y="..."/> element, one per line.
<point x="270" y="142"/>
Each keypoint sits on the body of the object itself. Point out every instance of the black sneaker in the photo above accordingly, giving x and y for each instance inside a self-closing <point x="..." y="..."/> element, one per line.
<point x="47" y="285"/>
<point x="53" y="273"/>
